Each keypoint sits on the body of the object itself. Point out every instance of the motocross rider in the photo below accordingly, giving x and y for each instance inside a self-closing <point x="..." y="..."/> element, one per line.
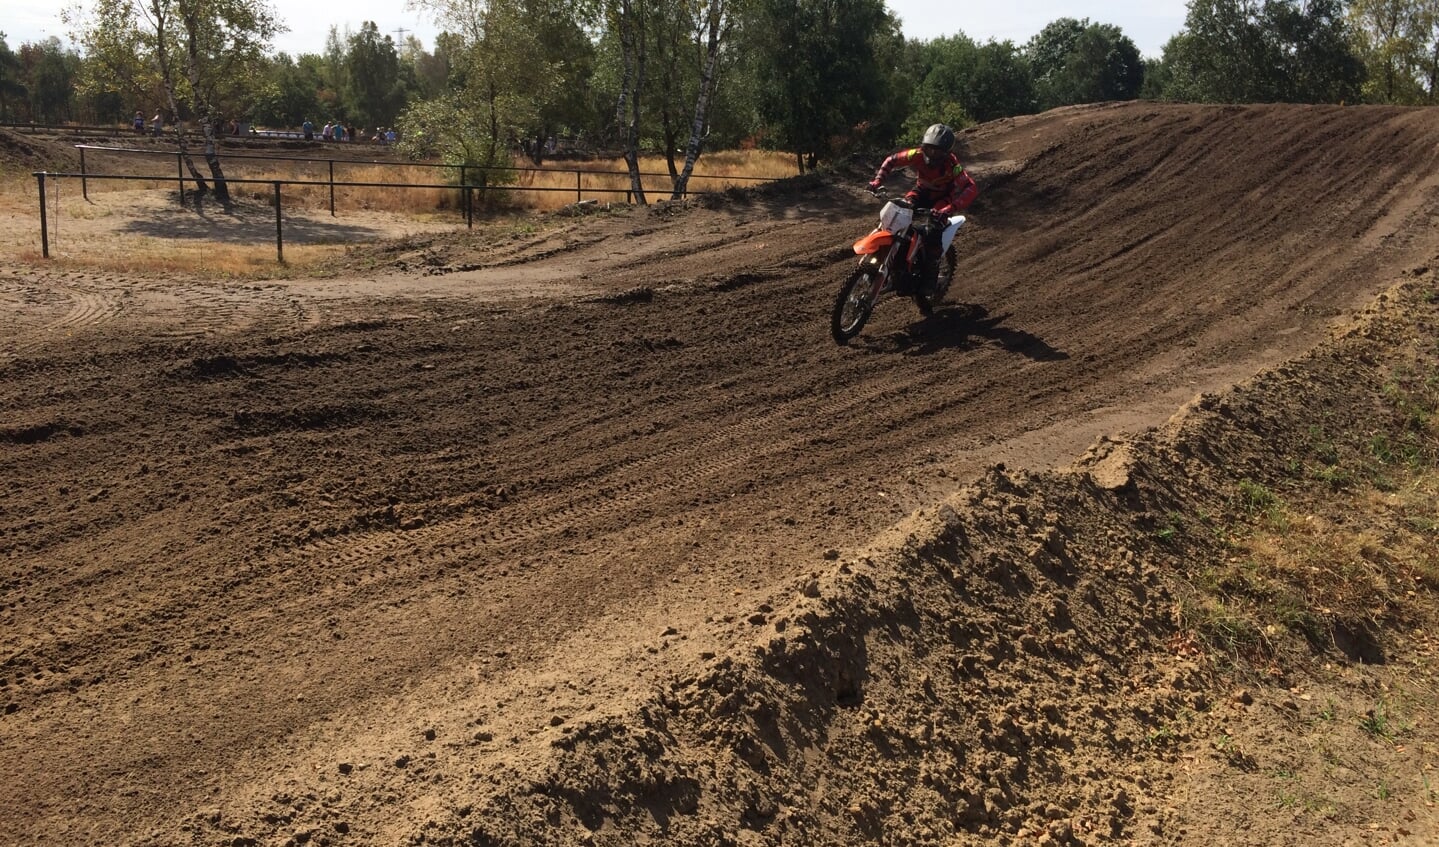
<point x="940" y="182"/>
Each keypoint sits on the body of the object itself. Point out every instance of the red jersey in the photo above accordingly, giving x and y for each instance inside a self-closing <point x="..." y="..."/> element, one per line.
<point x="944" y="185"/>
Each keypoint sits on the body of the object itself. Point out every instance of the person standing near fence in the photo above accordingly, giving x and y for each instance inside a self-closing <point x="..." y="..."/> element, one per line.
<point x="309" y="130"/>
<point x="157" y="123"/>
<point x="138" y="123"/>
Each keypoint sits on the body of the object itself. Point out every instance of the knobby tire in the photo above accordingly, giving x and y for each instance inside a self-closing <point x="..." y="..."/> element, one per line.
<point x="852" y="307"/>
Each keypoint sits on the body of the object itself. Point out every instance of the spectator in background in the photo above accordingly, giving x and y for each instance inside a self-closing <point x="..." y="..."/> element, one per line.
<point x="339" y="131"/>
<point x="138" y="123"/>
<point x="390" y="136"/>
<point x="157" y="123"/>
<point x="328" y="132"/>
<point x="309" y="130"/>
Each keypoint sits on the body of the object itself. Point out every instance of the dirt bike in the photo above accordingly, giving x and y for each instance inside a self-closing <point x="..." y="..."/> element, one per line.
<point x="894" y="261"/>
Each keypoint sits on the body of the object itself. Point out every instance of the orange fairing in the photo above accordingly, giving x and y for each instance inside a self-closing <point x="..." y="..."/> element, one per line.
<point x="874" y="242"/>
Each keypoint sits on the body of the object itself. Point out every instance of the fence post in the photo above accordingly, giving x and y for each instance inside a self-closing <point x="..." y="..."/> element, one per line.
<point x="44" y="224"/>
<point x="578" y="195"/>
<point x="84" y="183"/>
<point x="465" y="196"/>
<point x="279" y="230"/>
<point x="469" y="207"/>
<point x="180" y="171"/>
<point x="332" y="188"/>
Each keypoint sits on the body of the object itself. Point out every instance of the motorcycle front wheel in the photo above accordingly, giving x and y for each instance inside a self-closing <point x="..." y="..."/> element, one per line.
<point x="854" y="304"/>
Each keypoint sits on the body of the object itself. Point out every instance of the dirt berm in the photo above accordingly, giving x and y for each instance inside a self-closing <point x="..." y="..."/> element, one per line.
<point x="586" y="533"/>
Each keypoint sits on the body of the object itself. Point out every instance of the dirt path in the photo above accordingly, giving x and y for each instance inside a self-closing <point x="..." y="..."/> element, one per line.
<point x="255" y="531"/>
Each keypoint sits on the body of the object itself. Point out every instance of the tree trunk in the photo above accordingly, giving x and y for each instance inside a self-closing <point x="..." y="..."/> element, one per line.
<point x="709" y="81"/>
<point x="632" y="48"/>
<point x="217" y="175"/>
<point x="671" y="143"/>
<point x="205" y="109"/>
<point x="201" y="186"/>
<point x="167" y="81"/>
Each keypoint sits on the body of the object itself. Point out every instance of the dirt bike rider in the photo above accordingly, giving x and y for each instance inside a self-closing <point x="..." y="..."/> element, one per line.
<point x="941" y="183"/>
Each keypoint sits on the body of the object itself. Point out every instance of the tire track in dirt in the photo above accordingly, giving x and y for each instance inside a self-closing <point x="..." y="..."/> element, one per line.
<point x="88" y="303"/>
<point x="378" y="563"/>
<point x="507" y="529"/>
<point x="165" y="311"/>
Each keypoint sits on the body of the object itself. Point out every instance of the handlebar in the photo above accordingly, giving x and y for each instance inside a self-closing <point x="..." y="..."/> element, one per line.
<point x="920" y="212"/>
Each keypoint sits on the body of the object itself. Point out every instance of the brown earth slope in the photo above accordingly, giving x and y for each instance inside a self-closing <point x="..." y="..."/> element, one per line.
<point x="515" y="544"/>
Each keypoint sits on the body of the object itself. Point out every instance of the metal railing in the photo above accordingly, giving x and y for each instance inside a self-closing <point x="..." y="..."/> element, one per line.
<point x="69" y="129"/>
<point x="464" y="172"/>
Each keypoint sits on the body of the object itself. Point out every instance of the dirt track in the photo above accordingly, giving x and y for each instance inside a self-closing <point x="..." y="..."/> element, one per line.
<point x="253" y="533"/>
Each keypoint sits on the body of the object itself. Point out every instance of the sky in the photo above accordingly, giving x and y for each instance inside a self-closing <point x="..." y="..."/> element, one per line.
<point x="1148" y="23"/>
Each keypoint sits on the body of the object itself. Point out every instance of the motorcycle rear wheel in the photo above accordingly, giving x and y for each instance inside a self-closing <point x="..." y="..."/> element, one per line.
<point x="853" y="305"/>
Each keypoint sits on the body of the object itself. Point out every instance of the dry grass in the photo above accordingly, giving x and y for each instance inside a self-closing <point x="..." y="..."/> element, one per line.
<point x="609" y="180"/>
<point x="147" y="233"/>
<point x="556" y="185"/>
<point x="1351" y="542"/>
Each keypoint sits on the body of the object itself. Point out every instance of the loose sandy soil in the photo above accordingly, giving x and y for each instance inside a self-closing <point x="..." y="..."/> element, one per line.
<point x="587" y="533"/>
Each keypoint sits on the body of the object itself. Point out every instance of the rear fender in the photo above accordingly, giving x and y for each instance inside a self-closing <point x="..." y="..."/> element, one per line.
<point x="874" y="242"/>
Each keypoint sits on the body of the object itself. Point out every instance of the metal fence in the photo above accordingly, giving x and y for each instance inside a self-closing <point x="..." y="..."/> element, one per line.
<point x="463" y="173"/>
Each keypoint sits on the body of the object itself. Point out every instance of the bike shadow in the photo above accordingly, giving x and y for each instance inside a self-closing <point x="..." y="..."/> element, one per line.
<point x="964" y="326"/>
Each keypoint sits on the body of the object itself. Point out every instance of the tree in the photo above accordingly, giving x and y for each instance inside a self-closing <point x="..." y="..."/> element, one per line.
<point x="290" y="93"/>
<point x="1243" y="51"/>
<point x="1000" y="83"/>
<point x="374" y="89"/>
<point x="1080" y="62"/>
<point x="429" y="72"/>
<point x="1315" y="41"/>
<point x="630" y="19"/>
<point x="205" y="55"/>
<point x="690" y="46"/>
<point x="569" y="104"/>
<point x="1398" y="43"/>
<point x="819" y="58"/>
<point x="1048" y="52"/>
<point x="12" y="90"/>
<point x="717" y="25"/>
<point x="516" y="67"/>
<point x="51" y="71"/>
<point x="962" y="82"/>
